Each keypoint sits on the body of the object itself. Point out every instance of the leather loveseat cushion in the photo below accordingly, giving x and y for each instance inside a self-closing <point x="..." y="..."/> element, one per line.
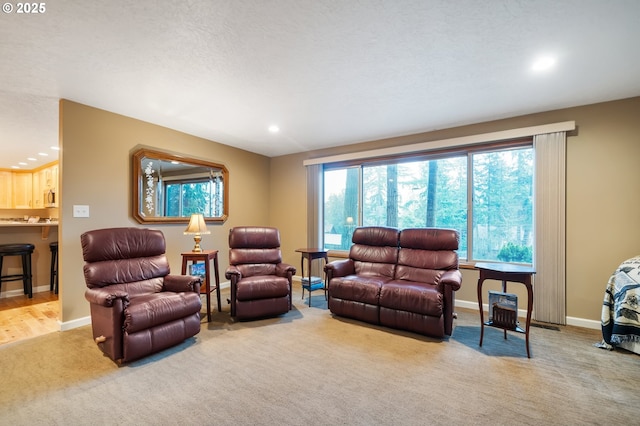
<point x="365" y="289"/>
<point x="419" y="298"/>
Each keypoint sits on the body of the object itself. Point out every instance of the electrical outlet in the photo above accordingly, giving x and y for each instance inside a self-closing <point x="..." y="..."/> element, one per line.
<point x="80" y="211"/>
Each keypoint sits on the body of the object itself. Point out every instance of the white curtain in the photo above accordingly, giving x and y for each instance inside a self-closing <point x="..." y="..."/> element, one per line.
<point x="550" y="210"/>
<point x="314" y="211"/>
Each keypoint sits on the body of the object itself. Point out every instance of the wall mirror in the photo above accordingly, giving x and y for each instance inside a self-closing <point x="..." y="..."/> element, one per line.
<point x="168" y="188"/>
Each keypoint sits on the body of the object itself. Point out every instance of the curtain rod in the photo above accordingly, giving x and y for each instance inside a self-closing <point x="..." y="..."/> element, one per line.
<point x="564" y="126"/>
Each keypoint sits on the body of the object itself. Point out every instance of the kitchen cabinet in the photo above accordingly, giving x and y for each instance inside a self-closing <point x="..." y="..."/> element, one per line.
<point x="6" y="189"/>
<point x="44" y="180"/>
<point x="50" y="186"/>
<point x="37" y="199"/>
<point x="22" y="190"/>
<point x="51" y="177"/>
<point x="26" y="189"/>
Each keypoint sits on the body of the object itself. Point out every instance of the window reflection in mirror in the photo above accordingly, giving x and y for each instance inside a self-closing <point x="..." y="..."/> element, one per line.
<point x="169" y="188"/>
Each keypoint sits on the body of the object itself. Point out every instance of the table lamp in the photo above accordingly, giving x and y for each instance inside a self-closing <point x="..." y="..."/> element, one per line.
<point x="197" y="226"/>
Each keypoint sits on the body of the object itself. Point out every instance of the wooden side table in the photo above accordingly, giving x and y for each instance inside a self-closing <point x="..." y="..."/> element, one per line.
<point x="205" y="256"/>
<point x="312" y="254"/>
<point x="506" y="272"/>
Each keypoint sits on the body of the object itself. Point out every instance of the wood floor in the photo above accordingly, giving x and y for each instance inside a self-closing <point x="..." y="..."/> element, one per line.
<point x="22" y="318"/>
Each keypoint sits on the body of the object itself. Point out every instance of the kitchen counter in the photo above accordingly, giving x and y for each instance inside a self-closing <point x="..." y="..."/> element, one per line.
<point x="23" y="223"/>
<point x="46" y="226"/>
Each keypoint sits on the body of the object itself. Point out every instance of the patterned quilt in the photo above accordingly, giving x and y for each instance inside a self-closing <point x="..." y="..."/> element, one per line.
<point x="621" y="307"/>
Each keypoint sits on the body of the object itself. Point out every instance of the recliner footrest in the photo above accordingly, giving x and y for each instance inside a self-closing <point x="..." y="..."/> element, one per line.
<point x="150" y="310"/>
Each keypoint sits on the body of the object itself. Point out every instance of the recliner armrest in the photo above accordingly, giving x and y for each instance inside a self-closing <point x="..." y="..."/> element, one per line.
<point x="182" y="283"/>
<point x="285" y="270"/>
<point x="339" y="268"/>
<point x="105" y="296"/>
<point x="453" y="278"/>
<point x="233" y="273"/>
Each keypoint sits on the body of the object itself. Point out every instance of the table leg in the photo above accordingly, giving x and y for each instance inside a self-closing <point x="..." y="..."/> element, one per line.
<point x="217" y="274"/>
<point x="529" y="309"/>
<point x="504" y="290"/>
<point x="302" y="274"/>
<point x="326" y="284"/>
<point x="207" y="277"/>
<point x="309" y="260"/>
<point x="480" y="281"/>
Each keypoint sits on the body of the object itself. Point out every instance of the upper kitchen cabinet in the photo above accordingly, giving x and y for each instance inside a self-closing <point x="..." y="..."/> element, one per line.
<point x="36" y="189"/>
<point x="22" y="190"/>
<point x="45" y="187"/>
<point x="51" y="177"/>
<point x="6" y="189"/>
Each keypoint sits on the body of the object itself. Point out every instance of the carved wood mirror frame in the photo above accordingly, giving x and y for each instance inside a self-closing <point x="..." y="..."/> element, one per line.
<point x="149" y="167"/>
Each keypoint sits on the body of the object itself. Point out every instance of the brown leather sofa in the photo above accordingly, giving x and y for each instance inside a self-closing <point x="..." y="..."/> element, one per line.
<point x="137" y="307"/>
<point x="403" y="279"/>
<point x="260" y="281"/>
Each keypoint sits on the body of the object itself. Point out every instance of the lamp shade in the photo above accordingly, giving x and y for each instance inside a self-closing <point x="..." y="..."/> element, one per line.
<point x="197" y="226"/>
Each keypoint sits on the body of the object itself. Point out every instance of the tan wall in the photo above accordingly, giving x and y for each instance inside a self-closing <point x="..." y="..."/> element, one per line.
<point x="289" y="205"/>
<point x="602" y="194"/>
<point x="96" y="171"/>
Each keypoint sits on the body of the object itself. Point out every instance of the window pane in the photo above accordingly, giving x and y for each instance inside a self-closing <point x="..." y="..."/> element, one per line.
<point x="502" y="206"/>
<point x="417" y="195"/>
<point x="340" y="207"/>
<point x="172" y="200"/>
<point x="196" y="198"/>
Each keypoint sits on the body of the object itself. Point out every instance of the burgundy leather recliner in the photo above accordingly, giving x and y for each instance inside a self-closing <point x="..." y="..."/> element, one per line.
<point x="260" y="281"/>
<point x="137" y="306"/>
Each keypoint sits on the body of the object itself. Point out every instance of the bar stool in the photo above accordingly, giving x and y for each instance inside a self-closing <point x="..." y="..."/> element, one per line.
<point x="53" y="280"/>
<point x="25" y="251"/>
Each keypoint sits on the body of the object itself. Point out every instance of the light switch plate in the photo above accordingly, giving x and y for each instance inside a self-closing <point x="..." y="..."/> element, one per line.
<point x="80" y="211"/>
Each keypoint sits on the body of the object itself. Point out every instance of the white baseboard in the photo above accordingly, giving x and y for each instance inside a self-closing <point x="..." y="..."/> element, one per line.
<point x="20" y="291"/>
<point x="577" y="322"/>
<point x="584" y="323"/>
<point x="69" y="325"/>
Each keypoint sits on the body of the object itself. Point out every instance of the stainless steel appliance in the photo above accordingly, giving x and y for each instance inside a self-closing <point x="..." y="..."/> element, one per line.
<point x="50" y="198"/>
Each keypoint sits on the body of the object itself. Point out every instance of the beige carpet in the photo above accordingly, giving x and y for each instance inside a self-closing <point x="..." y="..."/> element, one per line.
<point x="309" y="368"/>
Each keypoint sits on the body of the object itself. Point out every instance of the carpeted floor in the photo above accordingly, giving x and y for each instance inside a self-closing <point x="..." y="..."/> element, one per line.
<point x="308" y="367"/>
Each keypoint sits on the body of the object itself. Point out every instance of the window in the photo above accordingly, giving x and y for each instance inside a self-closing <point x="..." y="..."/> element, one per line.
<point x="434" y="191"/>
<point x="184" y="197"/>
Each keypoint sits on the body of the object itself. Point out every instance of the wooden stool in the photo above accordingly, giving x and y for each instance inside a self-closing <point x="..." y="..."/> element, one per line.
<point x="53" y="276"/>
<point x="25" y="251"/>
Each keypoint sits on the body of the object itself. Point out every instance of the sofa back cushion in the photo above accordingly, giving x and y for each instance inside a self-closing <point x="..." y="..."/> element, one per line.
<point x="425" y="253"/>
<point x="374" y="251"/>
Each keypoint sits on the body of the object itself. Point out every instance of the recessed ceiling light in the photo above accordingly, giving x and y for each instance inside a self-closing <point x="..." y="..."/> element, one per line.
<point x="55" y="148"/>
<point x="22" y="163"/>
<point x="32" y="159"/>
<point x="543" y="63"/>
<point x="274" y="129"/>
<point x="15" y="167"/>
<point x="44" y="154"/>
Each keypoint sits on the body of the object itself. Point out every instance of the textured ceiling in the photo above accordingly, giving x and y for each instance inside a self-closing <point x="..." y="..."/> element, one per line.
<point x="326" y="72"/>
